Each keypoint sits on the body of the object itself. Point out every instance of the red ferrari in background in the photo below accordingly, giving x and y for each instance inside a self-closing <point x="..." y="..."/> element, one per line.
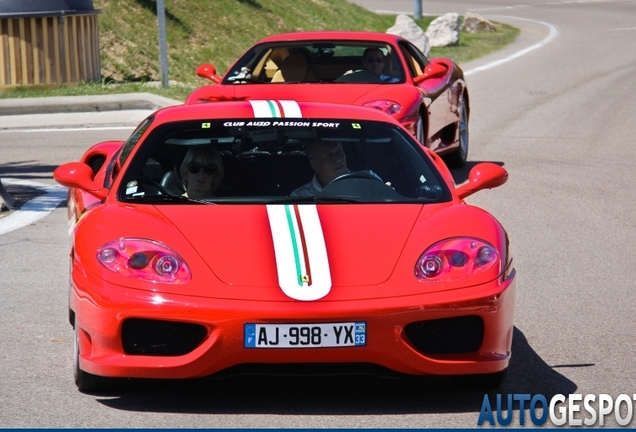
<point x="384" y="269"/>
<point x="429" y="97"/>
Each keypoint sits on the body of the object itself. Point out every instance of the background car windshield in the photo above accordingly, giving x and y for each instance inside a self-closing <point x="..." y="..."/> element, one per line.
<point x="318" y="61"/>
<point x="265" y="160"/>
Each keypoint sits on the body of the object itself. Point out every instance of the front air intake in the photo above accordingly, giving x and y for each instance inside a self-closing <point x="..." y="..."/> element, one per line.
<point x="160" y="338"/>
<point x="96" y="162"/>
<point x="447" y="335"/>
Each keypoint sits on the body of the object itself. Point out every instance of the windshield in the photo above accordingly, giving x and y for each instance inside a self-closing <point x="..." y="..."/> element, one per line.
<point x="281" y="161"/>
<point x="324" y="61"/>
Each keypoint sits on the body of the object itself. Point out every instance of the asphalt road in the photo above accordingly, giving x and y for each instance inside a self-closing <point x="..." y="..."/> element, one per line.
<point x="555" y="108"/>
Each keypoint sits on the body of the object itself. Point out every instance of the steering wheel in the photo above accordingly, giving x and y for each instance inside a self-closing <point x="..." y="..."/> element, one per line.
<point x="147" y="180"/>
<point x="360" y="75"/>
<point x="355" y="175"/>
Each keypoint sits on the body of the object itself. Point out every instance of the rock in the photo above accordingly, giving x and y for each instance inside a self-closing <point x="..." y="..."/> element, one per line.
<point x="409" y="30"/>
<point x="444" y="30"/>
<point x="474" y="23"/>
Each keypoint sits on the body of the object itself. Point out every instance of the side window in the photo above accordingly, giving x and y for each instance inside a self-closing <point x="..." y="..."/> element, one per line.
<point x="415" y="59"/>
<point x="133" y="140"/>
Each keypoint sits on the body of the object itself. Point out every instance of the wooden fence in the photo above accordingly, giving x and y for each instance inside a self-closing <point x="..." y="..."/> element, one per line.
<point x="49" y="51"/>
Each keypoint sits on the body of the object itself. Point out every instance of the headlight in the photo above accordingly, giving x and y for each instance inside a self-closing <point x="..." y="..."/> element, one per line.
<point x="144" y="259"/>
<point x="454" y="259"/>
<point x="386" y="106"/>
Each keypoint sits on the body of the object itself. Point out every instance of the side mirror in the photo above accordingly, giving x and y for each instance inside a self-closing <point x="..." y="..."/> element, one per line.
<point x="485" y="175"/>
<point x="78" y="175"/>
<point x="433" y="70"/>
<point x="208" y="71"/>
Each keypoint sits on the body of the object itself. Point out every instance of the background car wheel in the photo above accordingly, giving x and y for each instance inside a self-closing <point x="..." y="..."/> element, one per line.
<point x="419" y="130"/>
<point x="458" y="158"/>
<point x="86" y="382"/>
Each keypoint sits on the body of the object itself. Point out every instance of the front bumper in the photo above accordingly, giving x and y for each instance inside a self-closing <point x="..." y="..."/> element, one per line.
<point x="101" y="311"/>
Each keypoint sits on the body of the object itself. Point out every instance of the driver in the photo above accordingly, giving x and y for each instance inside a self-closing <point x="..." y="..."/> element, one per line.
<point x="373" y="60"/>
<point x="328" y="160"/>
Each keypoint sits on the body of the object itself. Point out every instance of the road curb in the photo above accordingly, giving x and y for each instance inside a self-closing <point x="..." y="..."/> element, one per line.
<point x="70" y="104"/>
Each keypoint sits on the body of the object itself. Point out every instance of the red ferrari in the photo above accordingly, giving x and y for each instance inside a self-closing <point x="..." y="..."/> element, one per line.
<point x="376" y="70"/>
<point x="236" y="236"/>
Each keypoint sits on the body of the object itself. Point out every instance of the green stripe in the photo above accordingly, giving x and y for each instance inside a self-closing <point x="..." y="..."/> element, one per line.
<point x="272" y="108"/>
<point x="290" y="224"/>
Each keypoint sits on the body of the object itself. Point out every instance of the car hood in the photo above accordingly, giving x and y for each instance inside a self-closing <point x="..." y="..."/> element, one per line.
<point x="370" y="249"/>
<point x="236" y="242"/>
<point x="319" y="92"/>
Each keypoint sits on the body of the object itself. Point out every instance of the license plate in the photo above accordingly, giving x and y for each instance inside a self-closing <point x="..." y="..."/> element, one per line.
<point x="348" y="334"/>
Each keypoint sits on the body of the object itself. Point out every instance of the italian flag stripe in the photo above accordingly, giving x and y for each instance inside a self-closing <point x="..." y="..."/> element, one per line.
<point x="275" y="109"/>
<point x="303" y="242"/>
<point x="301" y="255"/>
<point x="293" y="234"/>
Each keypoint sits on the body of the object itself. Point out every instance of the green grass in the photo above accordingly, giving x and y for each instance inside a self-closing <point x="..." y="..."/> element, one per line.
<point x="218" y="31"/>
<point x="475" y="45"/>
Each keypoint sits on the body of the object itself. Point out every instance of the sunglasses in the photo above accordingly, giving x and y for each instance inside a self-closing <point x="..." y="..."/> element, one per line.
<point x="374" y="60"/>
<point x="195" y="168"/>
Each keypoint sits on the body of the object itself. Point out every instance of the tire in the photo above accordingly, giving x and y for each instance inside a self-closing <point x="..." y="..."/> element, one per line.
<point x="458" y="158"/>
<point x="86" y="382"/>
<point x="419" y="131"/>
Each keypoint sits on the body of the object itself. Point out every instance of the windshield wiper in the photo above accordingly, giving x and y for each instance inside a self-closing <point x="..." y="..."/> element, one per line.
<point x="312" y="199"/>
<point x="155" y="199"/>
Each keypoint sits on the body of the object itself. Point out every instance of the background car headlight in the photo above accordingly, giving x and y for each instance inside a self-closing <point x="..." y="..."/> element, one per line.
<point x="454" y="259"/>
<point x="386" y="106"/>
<point x="144" y="259"/>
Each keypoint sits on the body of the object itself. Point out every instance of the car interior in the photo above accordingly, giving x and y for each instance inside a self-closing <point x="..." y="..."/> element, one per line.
<point x="262" y="163"/>
<point x="310" y="62"/>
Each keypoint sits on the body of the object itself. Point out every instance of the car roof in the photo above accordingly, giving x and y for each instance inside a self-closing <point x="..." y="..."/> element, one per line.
<point x="245" y="109"/>
<point x="333" y="35"/>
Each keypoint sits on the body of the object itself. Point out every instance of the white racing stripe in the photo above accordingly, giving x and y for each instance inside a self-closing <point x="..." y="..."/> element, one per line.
<point x="276" y="109"/>
<point x="301" y="255"/>
<point x="291" y="109"/>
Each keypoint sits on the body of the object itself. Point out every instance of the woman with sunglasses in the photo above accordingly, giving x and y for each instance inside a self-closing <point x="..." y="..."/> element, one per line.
<point x="201" y="171"/>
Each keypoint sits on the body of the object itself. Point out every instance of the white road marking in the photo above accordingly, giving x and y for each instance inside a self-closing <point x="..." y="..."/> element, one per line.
<point x="554" y="32"/>
<point x="548" y="3"/>
<point x="34" y="209"/>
